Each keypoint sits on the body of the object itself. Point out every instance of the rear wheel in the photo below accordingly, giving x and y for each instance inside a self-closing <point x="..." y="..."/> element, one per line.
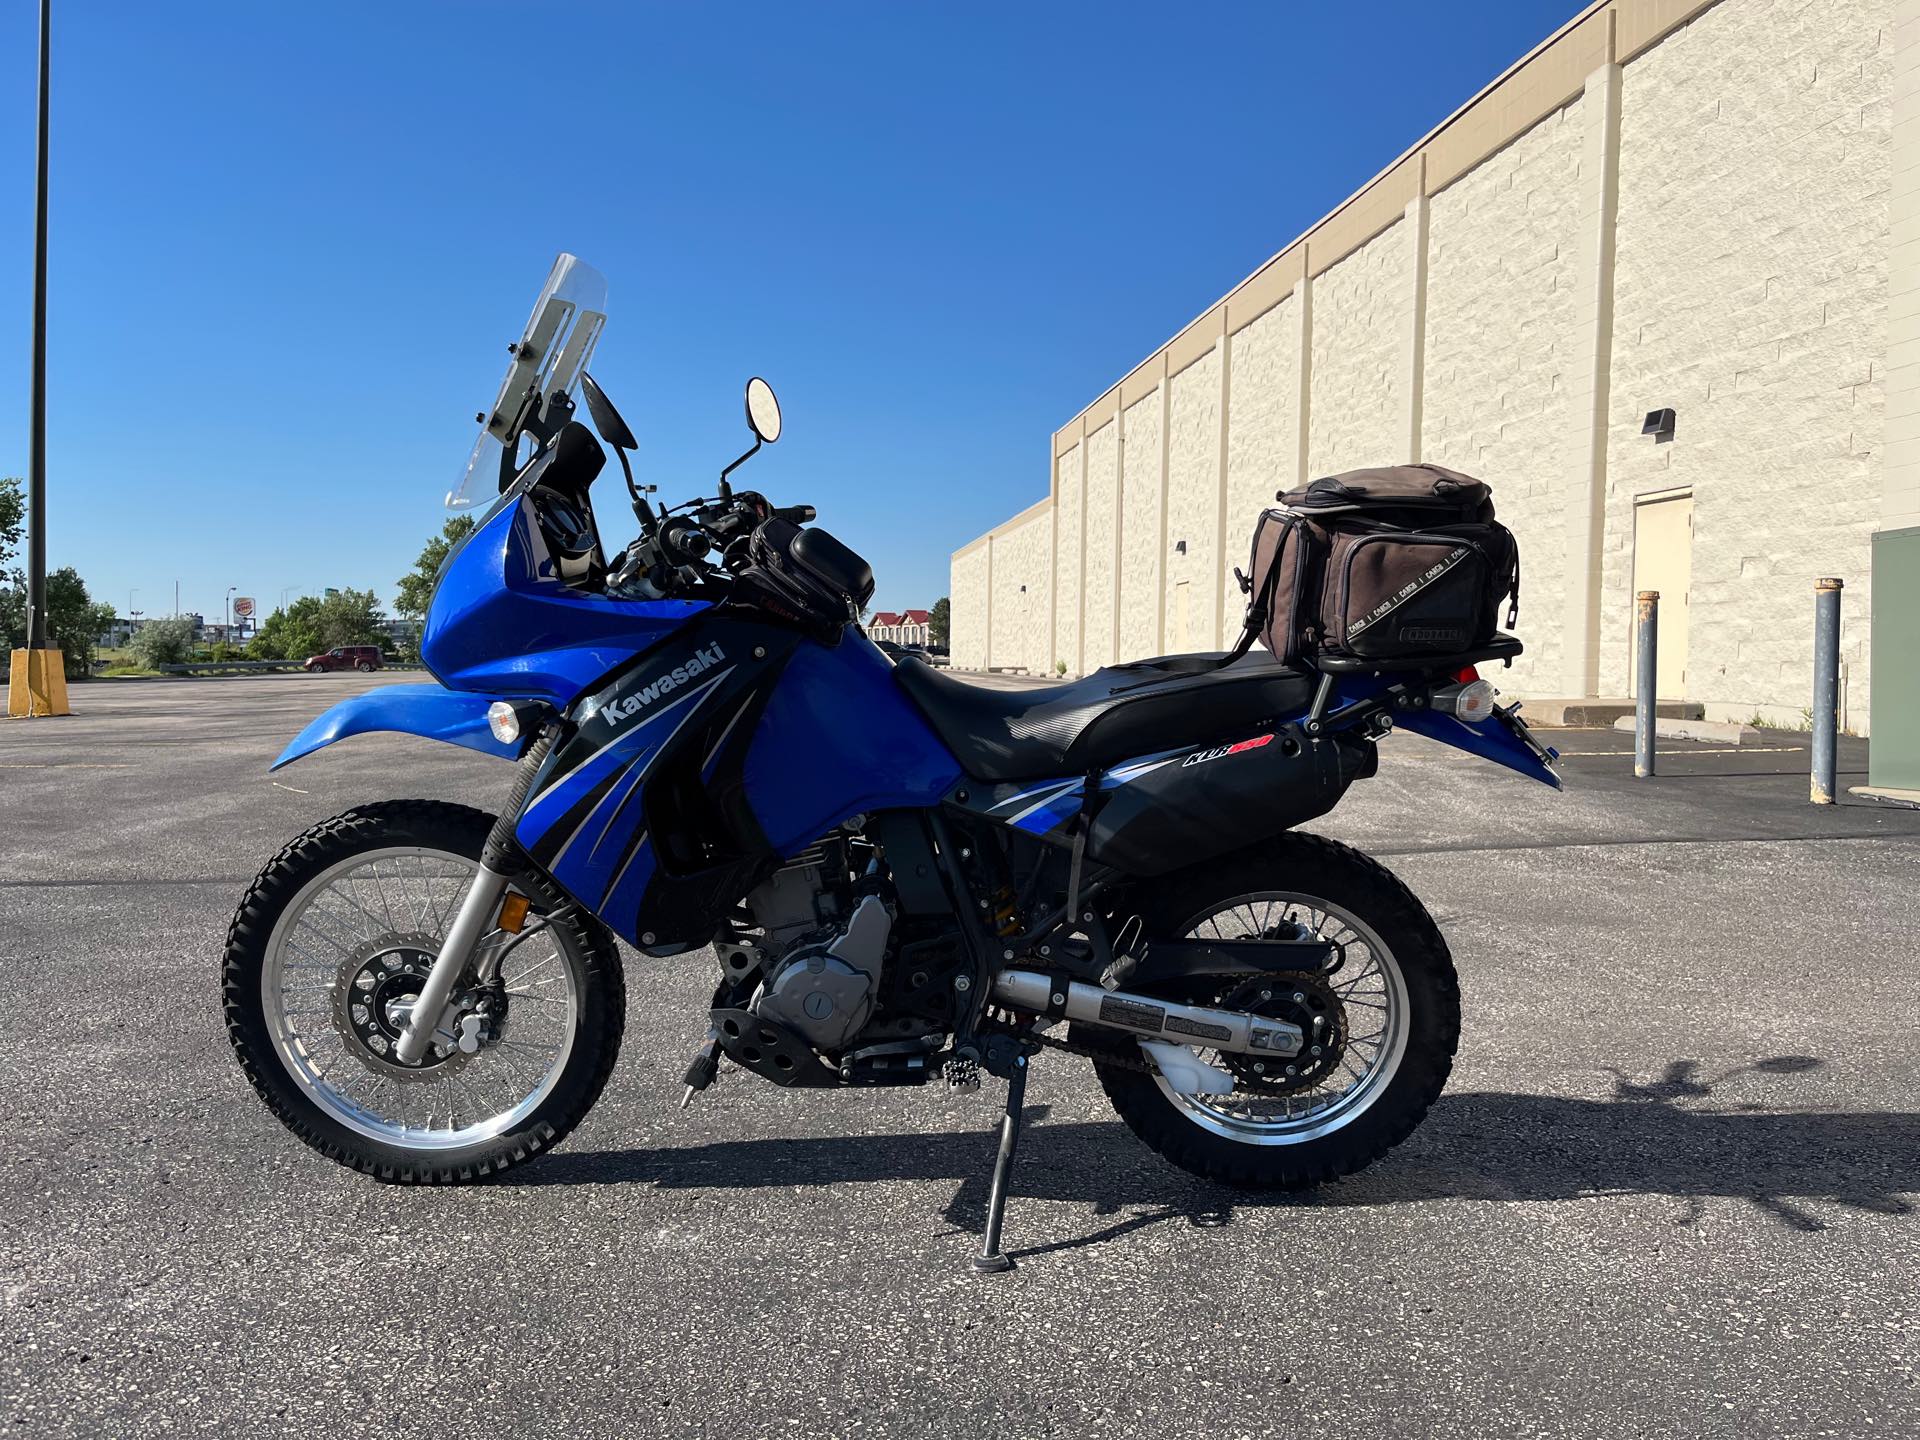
<point x="366" y="667"/>
<point x="329" y="946"/>
<point x="1386" y="1018"/>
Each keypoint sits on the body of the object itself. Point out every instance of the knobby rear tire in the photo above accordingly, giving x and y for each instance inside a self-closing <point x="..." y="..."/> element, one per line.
<point x="1316" y="866"/>
<point x="455" y="830"/>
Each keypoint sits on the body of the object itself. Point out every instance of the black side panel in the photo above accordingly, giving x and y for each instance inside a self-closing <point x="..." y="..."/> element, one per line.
<point x="916" y="869"/>
<point x="1215" y="801"/>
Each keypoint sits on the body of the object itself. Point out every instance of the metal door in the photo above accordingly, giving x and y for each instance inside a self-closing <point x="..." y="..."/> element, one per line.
<point x="1663" y="561"/>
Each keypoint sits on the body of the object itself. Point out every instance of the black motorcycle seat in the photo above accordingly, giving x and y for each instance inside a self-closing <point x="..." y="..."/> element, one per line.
<point x="1115" y="714"/>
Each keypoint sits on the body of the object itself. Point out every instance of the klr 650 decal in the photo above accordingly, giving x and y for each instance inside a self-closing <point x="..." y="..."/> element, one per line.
<point x="1235" y="749"/>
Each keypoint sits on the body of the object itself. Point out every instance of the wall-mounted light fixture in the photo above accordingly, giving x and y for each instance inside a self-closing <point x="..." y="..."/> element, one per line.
<point x="1179" y="547"/>
<point x="1658" y="424"/>
<point x="1023" y="589"/>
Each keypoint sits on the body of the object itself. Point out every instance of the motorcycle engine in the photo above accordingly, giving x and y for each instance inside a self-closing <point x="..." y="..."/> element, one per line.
<point x="824" y="988"/>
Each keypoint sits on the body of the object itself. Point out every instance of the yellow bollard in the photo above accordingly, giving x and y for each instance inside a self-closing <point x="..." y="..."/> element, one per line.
<point x="38" y="683"/>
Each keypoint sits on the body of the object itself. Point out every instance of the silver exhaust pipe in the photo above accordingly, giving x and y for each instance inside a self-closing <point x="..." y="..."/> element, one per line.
<point x="1232" y="1031"/>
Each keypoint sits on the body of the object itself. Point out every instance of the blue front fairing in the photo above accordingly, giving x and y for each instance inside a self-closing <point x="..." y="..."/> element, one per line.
<point x="502" y="622"/>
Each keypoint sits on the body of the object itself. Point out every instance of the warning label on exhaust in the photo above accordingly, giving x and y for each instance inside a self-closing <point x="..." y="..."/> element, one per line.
<point x="1131" y="1013"/>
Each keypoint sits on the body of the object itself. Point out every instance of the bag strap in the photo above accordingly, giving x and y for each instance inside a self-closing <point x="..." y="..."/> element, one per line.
<point x="1256" y="613"/>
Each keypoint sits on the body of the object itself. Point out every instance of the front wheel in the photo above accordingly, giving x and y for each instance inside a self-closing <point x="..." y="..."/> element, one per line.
<point x="336" y="936"/>
<point x="1386" y="1019"/>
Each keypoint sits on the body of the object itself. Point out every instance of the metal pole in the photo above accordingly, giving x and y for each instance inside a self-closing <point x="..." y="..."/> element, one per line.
<point x="37" y="375"/>
<point x="1826" y="687"/>
<point x="1647" y="618"/>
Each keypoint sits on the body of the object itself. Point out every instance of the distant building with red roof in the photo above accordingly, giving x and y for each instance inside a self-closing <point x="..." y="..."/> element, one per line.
<point x="902" y="627"/>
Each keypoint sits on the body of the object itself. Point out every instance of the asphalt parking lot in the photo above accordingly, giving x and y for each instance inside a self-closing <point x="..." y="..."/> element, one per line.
<point x="1670" y="1191"/>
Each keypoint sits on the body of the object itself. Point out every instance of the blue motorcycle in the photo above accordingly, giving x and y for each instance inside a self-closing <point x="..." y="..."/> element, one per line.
<point x="903" y="876"/>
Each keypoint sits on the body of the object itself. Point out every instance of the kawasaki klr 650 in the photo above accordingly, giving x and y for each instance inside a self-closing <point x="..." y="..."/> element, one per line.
<point x="902" y="875"/>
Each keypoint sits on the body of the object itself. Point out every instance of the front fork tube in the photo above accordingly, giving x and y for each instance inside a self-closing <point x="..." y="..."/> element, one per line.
<point x="500" y="862"/>
<point x="473" y="920"/>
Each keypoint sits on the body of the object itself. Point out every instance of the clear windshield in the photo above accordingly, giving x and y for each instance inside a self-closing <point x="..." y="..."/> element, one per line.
<point x="566" y="321"/>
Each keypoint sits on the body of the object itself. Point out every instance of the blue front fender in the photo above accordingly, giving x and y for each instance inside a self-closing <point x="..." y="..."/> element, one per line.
<point x="427" y="710"/>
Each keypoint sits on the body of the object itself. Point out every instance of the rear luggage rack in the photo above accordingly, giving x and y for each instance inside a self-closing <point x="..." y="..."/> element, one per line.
<point x="1501" y="647"/>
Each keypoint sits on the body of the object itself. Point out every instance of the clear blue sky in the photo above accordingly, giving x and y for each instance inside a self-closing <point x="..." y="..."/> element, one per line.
<point x="290" y="243"/>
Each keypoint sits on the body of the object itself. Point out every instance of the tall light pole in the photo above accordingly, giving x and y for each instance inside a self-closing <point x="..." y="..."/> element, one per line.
<point x="230" y="590"/>
<point x="37" y="394"/>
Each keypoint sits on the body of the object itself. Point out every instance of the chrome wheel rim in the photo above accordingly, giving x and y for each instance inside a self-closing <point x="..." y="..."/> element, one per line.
<point x="1373" y="993"/>
<point x="407" y="896"/>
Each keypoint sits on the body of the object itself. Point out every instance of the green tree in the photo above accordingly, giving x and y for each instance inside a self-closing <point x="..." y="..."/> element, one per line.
<point x="940" y="621"/>
<point x="167" y="641"/>
<point x="289" y="633"/>
<point x="13" y="517"/>
<point x="348" y="617"/>
<point x="415" y="590"/>
<point x="73" y="617"/>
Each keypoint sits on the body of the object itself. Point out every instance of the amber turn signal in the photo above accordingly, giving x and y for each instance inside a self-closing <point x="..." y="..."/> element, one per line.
<point x="513" y="913"/>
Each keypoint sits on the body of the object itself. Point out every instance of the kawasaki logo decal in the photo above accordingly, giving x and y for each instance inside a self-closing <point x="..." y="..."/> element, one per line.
<point x="627" y="707"/>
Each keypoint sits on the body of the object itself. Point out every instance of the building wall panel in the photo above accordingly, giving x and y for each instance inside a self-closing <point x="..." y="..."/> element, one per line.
<point x="1068" y="516"/>
<point x="1750" y="296"/>
<point x="1262" y="429"/>
<point x="1140" y="530"/>
<point x="1022" y="571"/>
<point x="968" y="598"/>
<point x="1103" y="453"/>
<point x="1193" y="498"/>
<point x="1501" y="337"/>
<point x="1361" y="310"/>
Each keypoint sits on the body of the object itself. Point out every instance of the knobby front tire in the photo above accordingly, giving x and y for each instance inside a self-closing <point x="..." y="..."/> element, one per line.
<point x="318" y="932"/>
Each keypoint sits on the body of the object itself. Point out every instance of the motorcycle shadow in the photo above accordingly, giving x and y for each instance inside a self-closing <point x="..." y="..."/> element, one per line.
<point x="1479" y="1145"/>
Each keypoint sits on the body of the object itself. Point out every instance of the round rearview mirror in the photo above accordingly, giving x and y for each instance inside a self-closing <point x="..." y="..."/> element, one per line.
<point x="763" y="411"/>
<point x="606" y="419"/>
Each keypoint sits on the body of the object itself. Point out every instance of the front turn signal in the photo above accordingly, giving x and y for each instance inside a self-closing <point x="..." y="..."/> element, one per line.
<point x="513" y="914"/>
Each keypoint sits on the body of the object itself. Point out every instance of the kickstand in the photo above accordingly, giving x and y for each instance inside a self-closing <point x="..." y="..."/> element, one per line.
<point x="991" y="1260"/>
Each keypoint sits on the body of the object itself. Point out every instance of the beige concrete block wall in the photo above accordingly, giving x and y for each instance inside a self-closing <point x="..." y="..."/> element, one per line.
<point x="968" y="644"/>
<point x="1103" y="454"/>
<point x="1067" y="539"/>
<point x="1750" y="295"/>
<point x="1501" y="337"/>
<point x="1140" y="584"/>
<point x="1262" y="438"/>
<point x="1358" y="370"/>
<point x="1193" y="470"/>
<point x="1022" y="593"/>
